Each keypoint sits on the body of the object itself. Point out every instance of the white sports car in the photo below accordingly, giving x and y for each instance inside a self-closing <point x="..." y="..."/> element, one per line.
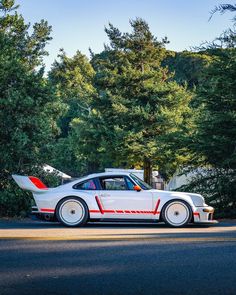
<point x="114" y="196"/>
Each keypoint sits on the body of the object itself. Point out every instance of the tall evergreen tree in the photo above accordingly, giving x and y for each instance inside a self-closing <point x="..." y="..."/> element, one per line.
<point x="188" y="67"/>
<point x="214" y="141"/>
<point x="73" y="80"/>
<point x="28" y="107"/>
<point x="139" y="107"/>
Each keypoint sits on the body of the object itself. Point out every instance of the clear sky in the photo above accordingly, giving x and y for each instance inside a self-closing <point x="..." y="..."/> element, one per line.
<point x="79" y="24"/>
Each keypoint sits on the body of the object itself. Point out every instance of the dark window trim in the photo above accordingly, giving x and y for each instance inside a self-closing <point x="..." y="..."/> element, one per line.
<point x="114" y="176"/>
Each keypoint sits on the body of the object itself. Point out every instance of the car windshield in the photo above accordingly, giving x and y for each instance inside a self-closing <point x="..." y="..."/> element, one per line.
<point x="140" y="182"/>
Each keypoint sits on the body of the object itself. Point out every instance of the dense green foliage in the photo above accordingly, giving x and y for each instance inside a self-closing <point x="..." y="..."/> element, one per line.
<point x="188" y="67"/>
<point x="28" y="107"/>
<point x="141" y="108"/>
<point x="73" y="80"/>
<point x="214" y="140"/>
<point x="134" y="105"/>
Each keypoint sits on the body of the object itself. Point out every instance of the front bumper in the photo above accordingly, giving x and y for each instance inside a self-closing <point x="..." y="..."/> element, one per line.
<point x="204" y="215"/>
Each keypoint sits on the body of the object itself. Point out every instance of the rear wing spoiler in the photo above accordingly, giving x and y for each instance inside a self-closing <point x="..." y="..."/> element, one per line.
<point x="30" y="183"/>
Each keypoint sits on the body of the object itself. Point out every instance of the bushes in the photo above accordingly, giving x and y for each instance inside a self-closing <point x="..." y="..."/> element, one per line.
<point x="15" y="202"/>
<point x="218" y="186"/>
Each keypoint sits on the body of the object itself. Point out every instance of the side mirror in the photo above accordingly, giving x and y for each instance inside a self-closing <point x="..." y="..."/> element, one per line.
<point x="137" y="188"/>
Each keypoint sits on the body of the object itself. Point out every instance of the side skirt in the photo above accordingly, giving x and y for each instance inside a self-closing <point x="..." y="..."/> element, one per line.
<point x="124" y="220"/>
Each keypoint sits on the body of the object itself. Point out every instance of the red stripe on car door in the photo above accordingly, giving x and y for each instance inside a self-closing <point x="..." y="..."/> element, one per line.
<point x="99" y="204"/>
<point x="156" y="208"/>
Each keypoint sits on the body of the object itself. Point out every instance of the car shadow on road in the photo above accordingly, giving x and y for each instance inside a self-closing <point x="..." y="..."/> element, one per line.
<point x="37" y="224"/>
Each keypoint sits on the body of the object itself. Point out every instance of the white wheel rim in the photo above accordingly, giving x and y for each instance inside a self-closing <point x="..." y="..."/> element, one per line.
<point x="177" y="213"/>
<point x="71" y="212"/>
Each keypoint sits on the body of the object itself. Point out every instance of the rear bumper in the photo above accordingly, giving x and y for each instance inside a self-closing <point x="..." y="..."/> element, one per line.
<point x="204" y="215"/>
<point x="48" y="216"/>
<point x="34" y="210"/>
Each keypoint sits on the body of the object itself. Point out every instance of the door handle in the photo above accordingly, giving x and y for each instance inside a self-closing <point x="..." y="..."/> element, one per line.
<point x="105" y="195"/>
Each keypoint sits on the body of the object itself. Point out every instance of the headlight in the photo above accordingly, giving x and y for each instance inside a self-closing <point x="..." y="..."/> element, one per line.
<point x="198" y="200"/>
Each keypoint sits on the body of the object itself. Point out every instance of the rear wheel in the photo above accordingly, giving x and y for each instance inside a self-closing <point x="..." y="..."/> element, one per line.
<point x="72" y="212"/>
<point x="176" y="213"/>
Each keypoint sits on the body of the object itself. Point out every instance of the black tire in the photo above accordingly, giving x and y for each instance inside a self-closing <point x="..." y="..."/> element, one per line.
<point x="176" y="213"/>
<point x="72" y="212"/>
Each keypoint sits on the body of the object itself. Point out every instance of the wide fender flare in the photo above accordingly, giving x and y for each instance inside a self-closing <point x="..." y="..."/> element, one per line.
<point x="176" y="196"/>
<point x="90" y="202"/>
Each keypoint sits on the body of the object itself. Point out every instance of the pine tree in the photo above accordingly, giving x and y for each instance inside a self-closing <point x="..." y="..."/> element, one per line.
<point x="140" y="109"/>
<point x="73" y="80"/>
<point x="214" y="141"/>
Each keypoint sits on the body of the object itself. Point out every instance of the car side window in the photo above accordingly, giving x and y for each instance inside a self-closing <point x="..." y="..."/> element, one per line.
<point x="129" y="184"/>
<point x="113" y="183"/>
<point x="86" y="185"/>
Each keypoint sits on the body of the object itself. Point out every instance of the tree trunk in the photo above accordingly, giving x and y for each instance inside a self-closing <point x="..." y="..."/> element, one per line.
<point x="147" y="166"/>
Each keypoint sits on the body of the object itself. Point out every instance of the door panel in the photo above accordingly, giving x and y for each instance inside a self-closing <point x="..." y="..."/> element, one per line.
<point x="126" y="204"/>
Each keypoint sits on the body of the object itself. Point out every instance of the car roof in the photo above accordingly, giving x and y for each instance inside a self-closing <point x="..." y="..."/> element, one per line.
<point x="106" y="174"/>
<point x="94" y="175"/>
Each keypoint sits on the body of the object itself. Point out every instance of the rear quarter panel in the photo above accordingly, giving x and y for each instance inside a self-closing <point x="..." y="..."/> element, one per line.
<point x="50" y="199"/>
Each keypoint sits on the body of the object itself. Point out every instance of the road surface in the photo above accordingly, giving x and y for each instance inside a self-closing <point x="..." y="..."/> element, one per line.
<point x="46" y="258"/>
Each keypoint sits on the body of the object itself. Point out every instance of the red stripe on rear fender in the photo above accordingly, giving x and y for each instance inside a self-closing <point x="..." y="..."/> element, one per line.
<point x="47" y="210"/>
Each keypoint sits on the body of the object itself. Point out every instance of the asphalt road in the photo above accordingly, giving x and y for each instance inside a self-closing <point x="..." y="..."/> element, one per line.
<point x="42" y="258"/>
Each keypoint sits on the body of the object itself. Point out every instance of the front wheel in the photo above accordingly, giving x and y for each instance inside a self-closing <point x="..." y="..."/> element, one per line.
<point x="176" y="213"/>
<point x="72" y="212"/>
